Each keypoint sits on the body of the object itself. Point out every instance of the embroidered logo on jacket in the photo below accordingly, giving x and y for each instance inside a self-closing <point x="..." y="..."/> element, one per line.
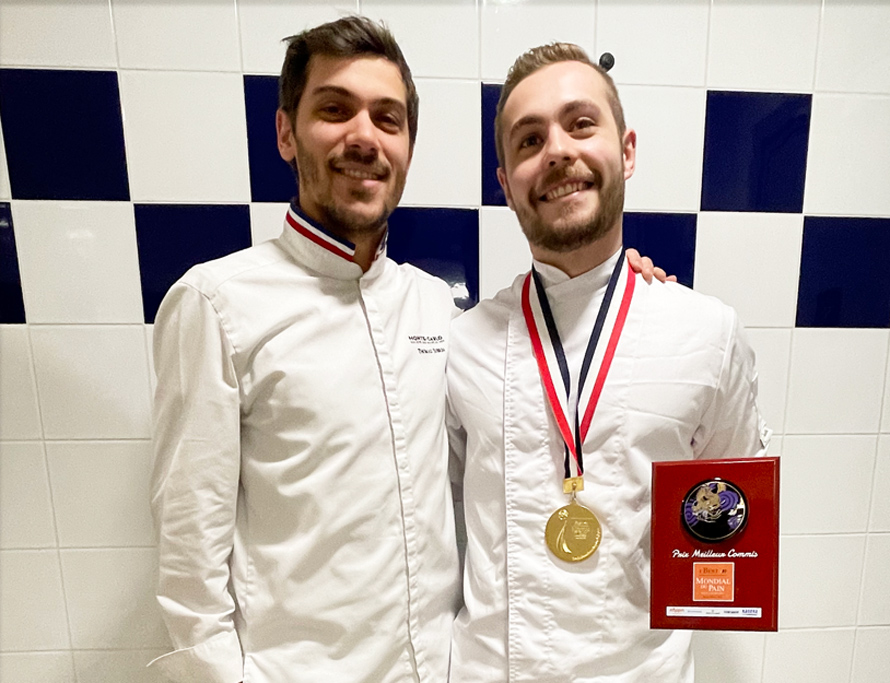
<point x="428" y="343"/>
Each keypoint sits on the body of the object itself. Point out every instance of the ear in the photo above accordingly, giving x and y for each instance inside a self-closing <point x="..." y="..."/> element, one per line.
<point x="287" y="143"/>
<point x="629" y="144"/>
<point x="502" y="179"/>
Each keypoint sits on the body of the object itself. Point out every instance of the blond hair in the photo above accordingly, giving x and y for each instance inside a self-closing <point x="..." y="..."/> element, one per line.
<point x="538" y="57"/>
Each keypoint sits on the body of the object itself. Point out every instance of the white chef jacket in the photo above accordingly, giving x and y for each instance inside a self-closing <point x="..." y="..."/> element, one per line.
<point x="682" y="385"/>
<point x="300" y="487"/>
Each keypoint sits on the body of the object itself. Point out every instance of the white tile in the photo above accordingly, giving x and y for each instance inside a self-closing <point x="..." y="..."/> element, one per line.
<point x="26" y="510"/>
<point x="93" y="381"/>
<point x="763" y="46"/>
<point x="117" y="665"/>
<point x="844" y="179"/>
<point x="186" y="136"/>
<point x="149" y="350"/>
<point x="874" y="609"/>
<point x="819" y="580"/>
<point x="670" y="126"/>
<point x="772" y="347"/>
<point x="32" y="607"/>
<point x="189" y="35"/>
<point x="448" y="152"/>
<point x="885" y="418"/>
<point x="727" y="657"/>
<point x="811" y="656"/>
<point x="853" y="49"/>
<point x="503" y="250"/>
<point x="116" y="512"/>
<point x="19" y="410"/>
<point x="826" y="482"/>
<point x="46" y="667"/>
<point x="266" y="221"/>
<point x="5" y="191"/>
<point x="510" y="28"/>
<point x="880" y="497"/>
<point x="438" y="39"/>
<point x="78" y="261"/>
<point x="111" y="598"/>
<point x="654" y="43"/>
<point x="59" y="34"/>
<point x="870" y="660"/>
<point x="776" y="445"/>
<point x="727" y="246"/>
<point x="265" y="23"/>
<point x="836" y="381"/>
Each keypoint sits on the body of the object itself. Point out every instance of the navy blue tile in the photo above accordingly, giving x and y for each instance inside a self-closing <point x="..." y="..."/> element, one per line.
<point x="844" y="281"/>
<point x="492" y="194"/>
<point x="12" y="307"/>
<point x="64" y="135"/>
<point x="444" y="242"/>
<point x="755" y="152"/>
<point x="271" y="178"/>
<point x="667" y="238"/>
<point x="171" y="238"/>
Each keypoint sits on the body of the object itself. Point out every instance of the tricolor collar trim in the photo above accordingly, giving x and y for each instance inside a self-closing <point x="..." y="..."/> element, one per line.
<point x="308" y="229"/>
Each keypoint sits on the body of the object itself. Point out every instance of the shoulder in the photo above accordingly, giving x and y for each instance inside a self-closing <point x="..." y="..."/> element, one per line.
<point x="687" y="311"/>
<point x="210" y="276"/>
<point x="418" y="278"/>
<point x="489" y="315"/>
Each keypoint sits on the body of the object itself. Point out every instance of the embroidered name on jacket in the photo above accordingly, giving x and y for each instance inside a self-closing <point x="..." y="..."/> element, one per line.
<point x="428" y="343"/>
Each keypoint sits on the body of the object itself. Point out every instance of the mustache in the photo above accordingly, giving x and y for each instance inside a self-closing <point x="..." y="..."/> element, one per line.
<point x="370" y="160"/>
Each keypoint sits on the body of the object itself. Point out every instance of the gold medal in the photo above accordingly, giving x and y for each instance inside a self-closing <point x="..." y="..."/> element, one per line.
<point x="573" y="533"/>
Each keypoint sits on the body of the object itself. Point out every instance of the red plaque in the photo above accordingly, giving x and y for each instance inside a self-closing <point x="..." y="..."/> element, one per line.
<point x="715" y="545"/>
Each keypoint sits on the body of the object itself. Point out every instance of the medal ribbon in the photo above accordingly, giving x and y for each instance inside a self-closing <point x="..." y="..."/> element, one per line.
<point x="551" y="356"/>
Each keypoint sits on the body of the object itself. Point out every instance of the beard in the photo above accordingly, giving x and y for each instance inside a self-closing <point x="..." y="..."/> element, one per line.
<point x="569" y="232"/>
<point x="337" y="217"/>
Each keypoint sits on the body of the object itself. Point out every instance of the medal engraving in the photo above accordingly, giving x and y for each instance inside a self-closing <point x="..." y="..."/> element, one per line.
<point x="714" y="510"/>
<point x="573" y="533"/>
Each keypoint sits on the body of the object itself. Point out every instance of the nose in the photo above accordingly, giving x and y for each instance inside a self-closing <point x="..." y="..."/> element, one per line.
<point x="362" y="133"/>
<point x="558" y="148"/>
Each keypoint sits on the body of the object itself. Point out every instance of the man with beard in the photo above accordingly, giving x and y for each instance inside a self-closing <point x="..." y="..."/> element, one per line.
<point x="564" y="388"/>
<point x="300" y="487"/>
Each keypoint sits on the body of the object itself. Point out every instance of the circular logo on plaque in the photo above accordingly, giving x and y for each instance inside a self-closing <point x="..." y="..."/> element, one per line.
<point x="714" y="510"/>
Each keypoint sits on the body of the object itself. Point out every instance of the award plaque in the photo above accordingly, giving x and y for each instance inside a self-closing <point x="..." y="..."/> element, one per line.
<point x="715" y="545"/>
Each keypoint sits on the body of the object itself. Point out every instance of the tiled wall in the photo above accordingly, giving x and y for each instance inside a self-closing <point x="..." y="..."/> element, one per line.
<point x="138" y="138"/>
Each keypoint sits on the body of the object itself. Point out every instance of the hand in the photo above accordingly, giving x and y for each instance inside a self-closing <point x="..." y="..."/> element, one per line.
<point x="644" y="266"/>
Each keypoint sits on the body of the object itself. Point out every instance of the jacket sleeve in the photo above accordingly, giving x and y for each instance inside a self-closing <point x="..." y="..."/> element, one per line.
<point x="732" y="426"/>
<point x="194" y="487"/>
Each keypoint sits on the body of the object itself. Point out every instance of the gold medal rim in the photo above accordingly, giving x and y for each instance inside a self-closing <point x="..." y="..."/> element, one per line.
<point x="551" y="534"/>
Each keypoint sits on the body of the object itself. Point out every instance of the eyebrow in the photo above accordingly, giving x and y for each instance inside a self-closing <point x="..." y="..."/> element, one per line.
<point x="343" y="92"/>
<point x="567" y="108"/>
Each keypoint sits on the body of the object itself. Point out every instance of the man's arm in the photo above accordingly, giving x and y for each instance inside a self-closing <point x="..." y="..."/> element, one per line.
<point x="194" y="487"/>
<point x="732" y="426"/>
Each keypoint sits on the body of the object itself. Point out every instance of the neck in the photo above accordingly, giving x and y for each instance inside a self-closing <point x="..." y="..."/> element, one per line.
<point x="583" y="259"/>
<point x="366" y="242"/>
<point x="366" y="247"/>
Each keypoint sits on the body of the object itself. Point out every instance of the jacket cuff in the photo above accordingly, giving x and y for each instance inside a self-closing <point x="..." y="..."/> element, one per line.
<point x="217" y="660"/>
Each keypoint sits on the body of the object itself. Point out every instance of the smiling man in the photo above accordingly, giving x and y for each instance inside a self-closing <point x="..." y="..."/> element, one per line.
<point x="565" y="388"/>
<point x="300" y="487"/>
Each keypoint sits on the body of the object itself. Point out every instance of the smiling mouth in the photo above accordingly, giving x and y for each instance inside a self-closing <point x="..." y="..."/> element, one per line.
<point x="359" y="174"/>
<point x="565" y="189"/>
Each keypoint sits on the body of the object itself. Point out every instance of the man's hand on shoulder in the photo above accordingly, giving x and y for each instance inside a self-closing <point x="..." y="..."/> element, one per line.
<point x="644" y="266"/>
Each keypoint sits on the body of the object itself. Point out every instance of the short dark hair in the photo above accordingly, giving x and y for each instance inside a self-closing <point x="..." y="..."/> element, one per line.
<point x="351" y="36"/>
<point x="537" y="58"/>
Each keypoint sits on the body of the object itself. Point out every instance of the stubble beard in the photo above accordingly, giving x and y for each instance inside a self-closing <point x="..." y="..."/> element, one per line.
<point x="340" y="219"/>
<point x="584" y="230"/>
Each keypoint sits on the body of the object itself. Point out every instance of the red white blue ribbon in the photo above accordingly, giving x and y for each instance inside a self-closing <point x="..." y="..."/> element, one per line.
<point x="321" y="237"/>
<point x="552" y="365"/>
